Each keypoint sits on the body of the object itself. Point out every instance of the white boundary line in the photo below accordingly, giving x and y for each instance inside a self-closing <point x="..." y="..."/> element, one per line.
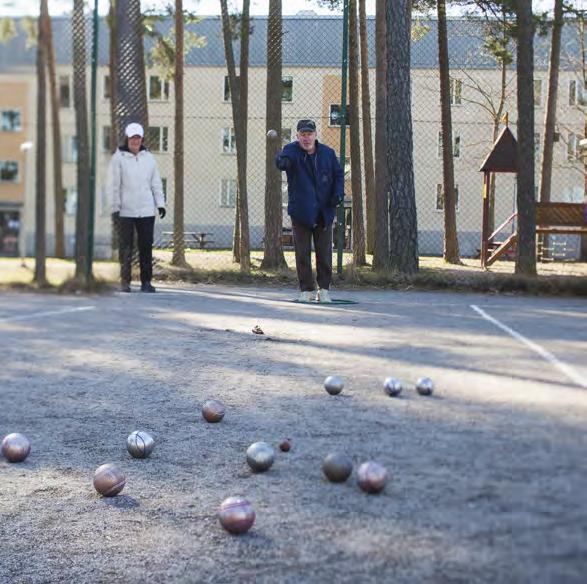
<point x="46" y="313"/>
<point x="563" y="367"/>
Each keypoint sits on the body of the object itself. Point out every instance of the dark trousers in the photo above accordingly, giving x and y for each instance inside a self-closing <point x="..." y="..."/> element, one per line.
<point x="144" y="227"/>
<point x="322" y="236"/>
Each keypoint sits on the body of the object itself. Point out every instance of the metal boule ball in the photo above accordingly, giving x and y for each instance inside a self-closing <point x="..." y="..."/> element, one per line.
<point x="337" y="467"/>
<point x="260" y="456"/>
<point x="236" y="515"/>
<point x="272" y="134"/>
<point x="333" y="384"/>
<point x="109" y="480"/>
<point x="392" y="386"/>
<point x="424" y="386"/>
<point x="371" y="477"/>
<point x="140" y="444"/>
<point x="213" y="410"/>
<point x="16" y="447"/>
<point x="285" y="445"/>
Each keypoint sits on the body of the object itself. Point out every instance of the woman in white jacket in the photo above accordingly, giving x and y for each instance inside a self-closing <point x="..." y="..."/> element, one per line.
<point x="134" y="187"/>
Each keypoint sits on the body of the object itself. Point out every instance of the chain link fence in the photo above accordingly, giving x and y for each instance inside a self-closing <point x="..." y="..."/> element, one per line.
<point x="308" y="50"/>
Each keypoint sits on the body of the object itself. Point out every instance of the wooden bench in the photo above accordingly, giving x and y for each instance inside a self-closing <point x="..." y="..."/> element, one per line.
<point x="191" y="239"/>
<point x="567" y="218"/>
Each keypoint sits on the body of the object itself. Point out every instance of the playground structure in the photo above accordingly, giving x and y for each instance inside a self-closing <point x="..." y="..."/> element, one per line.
<point x="552" y="218"/>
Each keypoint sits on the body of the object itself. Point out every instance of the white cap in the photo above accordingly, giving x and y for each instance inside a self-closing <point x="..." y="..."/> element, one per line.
<point x="134" y="129"/>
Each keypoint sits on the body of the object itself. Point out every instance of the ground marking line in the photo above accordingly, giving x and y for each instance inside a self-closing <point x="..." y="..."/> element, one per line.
<point x="563" y="367"/>
<point x="46" y="313"/>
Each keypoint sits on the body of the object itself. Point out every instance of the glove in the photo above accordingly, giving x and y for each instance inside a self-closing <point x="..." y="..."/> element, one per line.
<point x="336" y="201"/>
<point x="283" y="162"/>
<point x="161" y="212"/>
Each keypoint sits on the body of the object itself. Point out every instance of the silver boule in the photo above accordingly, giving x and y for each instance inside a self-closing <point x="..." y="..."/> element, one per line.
<point x="140" y="444"/>
<point x="424" y="386"/>
<point x="236" y="515"/>
<point x="337" y="467"/>
<point x="16" y="447"/>
<point x="392" y="386"/>
<point x="260" y="456"/>
<point x="333" y="384"/>
<point x="371" y="477"/>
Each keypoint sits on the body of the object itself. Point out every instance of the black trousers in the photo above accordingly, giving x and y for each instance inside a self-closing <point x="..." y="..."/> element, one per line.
<point x="144" y="227"/>
<point x="322" y="236"/>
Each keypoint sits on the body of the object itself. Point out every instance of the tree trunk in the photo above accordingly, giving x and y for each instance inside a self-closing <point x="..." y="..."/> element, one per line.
<point x="83" y="150"/>
<point x="451" y="242"/>
<point x="381" y="248"/>
<point x="526" y="250"/>
<point x="40" y="275"/>
<point x="59" y="193"/>
<point x="358" y="225"/>
<point x="114" y="125"/>
<point x="550" y="114"/>
<point x="583" y="255"/>
<point x="273" y="257"/>
<point x="178" y="258"/>
<point x="367" y="135"/>
<point x="403" y="223"/>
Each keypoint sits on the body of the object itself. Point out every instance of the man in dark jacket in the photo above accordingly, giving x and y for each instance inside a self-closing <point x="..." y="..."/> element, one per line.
<point x="315" y="188"/>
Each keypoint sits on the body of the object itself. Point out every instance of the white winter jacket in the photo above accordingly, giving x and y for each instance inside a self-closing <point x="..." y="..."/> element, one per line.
<point x="133" y="184"/>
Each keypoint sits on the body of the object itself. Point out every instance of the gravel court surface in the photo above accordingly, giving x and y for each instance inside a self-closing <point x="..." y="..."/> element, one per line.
<point x="487" y="476"/>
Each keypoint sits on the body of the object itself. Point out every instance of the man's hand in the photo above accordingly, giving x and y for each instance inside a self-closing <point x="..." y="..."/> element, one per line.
<point x="283" y="162"/>
<point x="161" y="212"/>
<point x="336" y="201"/>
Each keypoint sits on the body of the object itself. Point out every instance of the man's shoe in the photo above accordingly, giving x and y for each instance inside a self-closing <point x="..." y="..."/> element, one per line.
<point x="147" y="287"/>
<point x="125" y="288"/>
<point x="306" y="296"/>
<point x="323" y="296"/>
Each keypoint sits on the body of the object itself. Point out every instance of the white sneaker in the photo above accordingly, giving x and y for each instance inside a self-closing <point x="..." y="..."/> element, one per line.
<point x="306" y="296"/>
<point x="323" y="296"/>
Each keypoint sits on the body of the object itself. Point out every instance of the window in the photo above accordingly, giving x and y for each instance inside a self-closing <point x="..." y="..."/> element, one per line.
<point x="440" y="197"/>
<point x="456" y="145"/>
<point x="228" y="192"/>
<point x="284" y="196"/>
<point x="106" y="138"/>
<point x="64" y="91"/>
<point x="158" y="88"/>
<point x="158" y="138"/>
<point x="335" y="117"/>
<point x="69" y="149"/>
<point x="456" y="91"/>
<point x="228" y="141"/>
<point x="287" y="88"/>
<point x="536" y="144"/>
<point x="70" y="200"/>
<point x="226" y="91"/>
<point x="106" y="93"/>
<point x="537" y="92"/>
<point x="572" y="143"/>
<point x="164" y="187"/>
<point x="8" y="171"/>
<point x="10" y="121"/>
<point x="575" y="93"/>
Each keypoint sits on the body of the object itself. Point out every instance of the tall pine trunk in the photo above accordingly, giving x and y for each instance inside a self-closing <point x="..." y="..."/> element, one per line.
<point x="451" y="242"/>
<point x="273" y="257"/>
<point x="403" y="224"/>
<point x="114" y="123"/>
<point x="526" y="251"/>
<point x="358" y="225"/>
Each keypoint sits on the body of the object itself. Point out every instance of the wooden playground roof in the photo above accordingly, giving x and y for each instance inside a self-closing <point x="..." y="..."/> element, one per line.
<point x="502" y="157"/>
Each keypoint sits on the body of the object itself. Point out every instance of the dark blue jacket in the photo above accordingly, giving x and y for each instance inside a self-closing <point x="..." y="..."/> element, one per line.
<point x="312" y="189"/>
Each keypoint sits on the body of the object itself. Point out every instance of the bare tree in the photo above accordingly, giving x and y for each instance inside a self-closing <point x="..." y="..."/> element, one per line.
<point x="358" y="224"/>
<point x="367" y="137"/>
<point x="40" y="275"/>
<point x="381" y="243"/>
<point x="403" y="223"/>
<point x="273" y="257"/>
<point x="83" y="150"/>
<point x="526" y="250"/>
<point x="114" y="122"/>
<point x="451" y="242"/>
<point x="59" y="193"/>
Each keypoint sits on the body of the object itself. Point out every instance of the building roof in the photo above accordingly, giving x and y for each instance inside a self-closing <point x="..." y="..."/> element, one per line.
<point x="308" y="41"/>
<point x="502" y="157"/>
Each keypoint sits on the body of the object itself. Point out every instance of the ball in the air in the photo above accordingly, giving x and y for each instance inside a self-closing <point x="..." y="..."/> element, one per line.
<point x="109" y="480"/>
<point x="272" y="134"/>
<point x="424" y="386"/>
<point x="337" y="467"/>
<point x="236" y="515"/>
<point x="213" y="411"/>
<point x="260" y="456"/>
<point x="15" y="447"/>
<point x="140" y="444"/>
<point x="333" y="384"/>
<point x="371" y="477"/>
